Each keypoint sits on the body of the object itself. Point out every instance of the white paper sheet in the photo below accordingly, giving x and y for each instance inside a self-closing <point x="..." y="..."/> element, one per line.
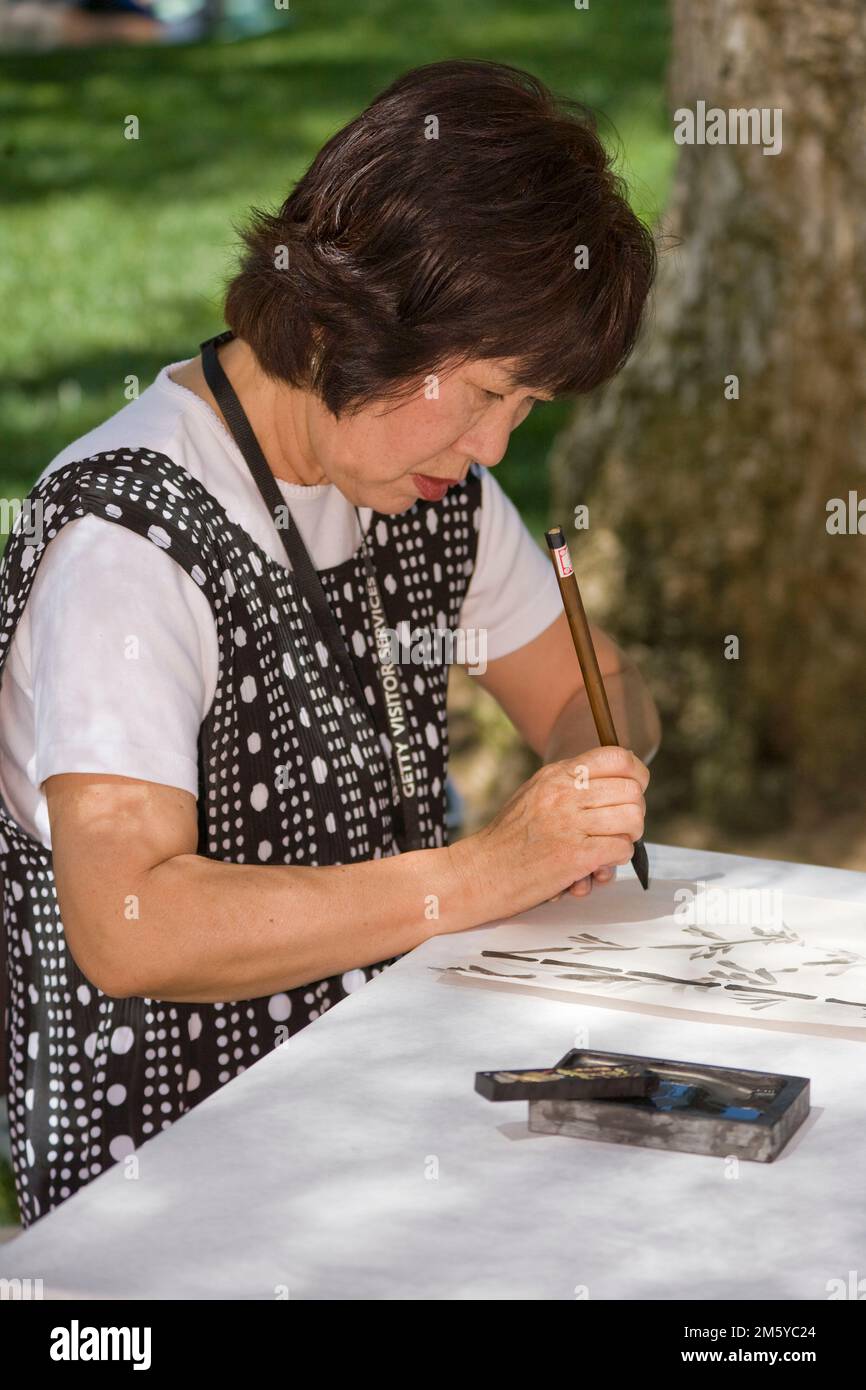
<point x="744" y="954"/>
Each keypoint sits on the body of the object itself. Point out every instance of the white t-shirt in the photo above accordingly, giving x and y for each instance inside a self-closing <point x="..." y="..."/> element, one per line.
<point x="113" y="666"/>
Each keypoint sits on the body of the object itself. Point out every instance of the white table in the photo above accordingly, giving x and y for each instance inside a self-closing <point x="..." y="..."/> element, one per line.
<point x="357" y="1161"/>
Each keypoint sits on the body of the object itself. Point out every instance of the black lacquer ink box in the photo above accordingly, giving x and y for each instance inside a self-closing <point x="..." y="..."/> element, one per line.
<point x="661" y="1104"/>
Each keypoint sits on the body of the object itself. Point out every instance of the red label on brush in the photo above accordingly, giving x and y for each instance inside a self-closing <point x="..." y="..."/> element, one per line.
<point x="564" y="566"/>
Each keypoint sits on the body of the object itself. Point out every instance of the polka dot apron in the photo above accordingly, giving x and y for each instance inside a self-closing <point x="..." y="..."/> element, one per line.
<point x="292" y="770"/>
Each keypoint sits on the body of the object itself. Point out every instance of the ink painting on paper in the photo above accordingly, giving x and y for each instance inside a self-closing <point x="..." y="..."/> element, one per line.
<point x="739" y="953"/>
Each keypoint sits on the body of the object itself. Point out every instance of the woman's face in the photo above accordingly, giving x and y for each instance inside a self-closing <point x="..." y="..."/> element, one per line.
<point x="387" y="456"/>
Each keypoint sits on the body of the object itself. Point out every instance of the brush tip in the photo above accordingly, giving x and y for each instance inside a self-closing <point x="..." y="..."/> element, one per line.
<point x="640" y="863"/>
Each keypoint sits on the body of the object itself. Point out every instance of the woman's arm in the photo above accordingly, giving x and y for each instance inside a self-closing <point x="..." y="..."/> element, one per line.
<point x="145" y="915"/>
<point x="541" y="690"/>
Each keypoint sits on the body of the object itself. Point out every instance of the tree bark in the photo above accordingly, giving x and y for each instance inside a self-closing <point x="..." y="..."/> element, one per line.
<point x="708" y="516"/>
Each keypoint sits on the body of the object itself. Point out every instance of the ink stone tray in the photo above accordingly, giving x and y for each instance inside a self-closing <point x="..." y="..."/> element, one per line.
<point x="698" y="1109"/>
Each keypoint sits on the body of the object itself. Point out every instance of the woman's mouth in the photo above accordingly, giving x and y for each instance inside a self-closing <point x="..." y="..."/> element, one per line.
<point x="432" y="489"/>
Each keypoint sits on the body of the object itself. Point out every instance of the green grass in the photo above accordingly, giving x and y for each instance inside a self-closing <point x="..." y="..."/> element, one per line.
<point x="8" y="1200"/>
<point x="114" y="251"/>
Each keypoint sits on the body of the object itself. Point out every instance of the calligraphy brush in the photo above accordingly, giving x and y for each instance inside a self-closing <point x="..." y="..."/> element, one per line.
<point x="583" y="645"/>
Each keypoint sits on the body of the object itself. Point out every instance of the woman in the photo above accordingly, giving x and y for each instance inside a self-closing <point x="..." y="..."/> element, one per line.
<point x="222" y="811"/>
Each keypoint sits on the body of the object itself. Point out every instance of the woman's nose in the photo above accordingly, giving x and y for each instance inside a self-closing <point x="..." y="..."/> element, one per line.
<point x="488" y="444"/>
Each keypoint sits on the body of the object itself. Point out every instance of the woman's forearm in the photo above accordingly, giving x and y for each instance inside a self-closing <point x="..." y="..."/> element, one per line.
<point x="145" y="915"/>
<point x="209" y="931"/>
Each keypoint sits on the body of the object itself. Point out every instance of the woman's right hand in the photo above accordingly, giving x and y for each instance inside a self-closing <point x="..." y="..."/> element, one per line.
<point x="571" y="818"/>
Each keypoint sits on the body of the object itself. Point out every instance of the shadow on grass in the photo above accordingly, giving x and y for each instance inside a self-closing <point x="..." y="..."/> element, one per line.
<point x="44" y="411"/>
<point x="211" y="113"/>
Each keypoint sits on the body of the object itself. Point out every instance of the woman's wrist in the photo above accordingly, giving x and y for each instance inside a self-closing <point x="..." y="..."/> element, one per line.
<point x="473" y="881"/>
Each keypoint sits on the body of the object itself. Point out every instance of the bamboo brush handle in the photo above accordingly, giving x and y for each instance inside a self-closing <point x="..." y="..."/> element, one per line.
<point x="581" y="637"/>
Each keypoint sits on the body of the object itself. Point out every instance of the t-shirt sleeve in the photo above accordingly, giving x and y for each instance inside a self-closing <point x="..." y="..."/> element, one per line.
<point x="513" y="594"/>
<point x="123" y="656"/>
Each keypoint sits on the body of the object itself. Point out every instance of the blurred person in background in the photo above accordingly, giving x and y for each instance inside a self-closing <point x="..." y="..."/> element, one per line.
<point x="51" y="24"/>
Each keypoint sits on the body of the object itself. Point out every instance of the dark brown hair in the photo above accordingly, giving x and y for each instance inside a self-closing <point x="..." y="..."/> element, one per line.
<point x="398" y="254"/>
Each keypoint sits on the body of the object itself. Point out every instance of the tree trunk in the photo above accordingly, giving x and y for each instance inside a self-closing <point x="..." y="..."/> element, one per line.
<point x="708" y="515"/>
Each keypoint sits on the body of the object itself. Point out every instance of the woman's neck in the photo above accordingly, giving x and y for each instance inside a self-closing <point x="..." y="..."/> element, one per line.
<point x="275" y="411"/>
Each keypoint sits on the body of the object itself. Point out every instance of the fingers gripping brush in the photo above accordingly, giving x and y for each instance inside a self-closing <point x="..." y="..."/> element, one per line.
<point x="583" y="645"/>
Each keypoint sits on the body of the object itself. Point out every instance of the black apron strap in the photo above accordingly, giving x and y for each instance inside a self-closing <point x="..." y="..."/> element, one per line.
<point x="407" y="827"/>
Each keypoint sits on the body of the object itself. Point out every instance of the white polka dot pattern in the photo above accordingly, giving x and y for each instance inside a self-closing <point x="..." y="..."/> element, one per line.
<point x="291" y="771"/>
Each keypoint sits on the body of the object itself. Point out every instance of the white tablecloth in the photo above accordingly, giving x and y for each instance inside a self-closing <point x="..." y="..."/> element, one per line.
<point x="357" y="1161"/>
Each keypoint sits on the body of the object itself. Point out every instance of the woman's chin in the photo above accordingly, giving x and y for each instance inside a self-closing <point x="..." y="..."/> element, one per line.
<point x="393" y="505"/>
